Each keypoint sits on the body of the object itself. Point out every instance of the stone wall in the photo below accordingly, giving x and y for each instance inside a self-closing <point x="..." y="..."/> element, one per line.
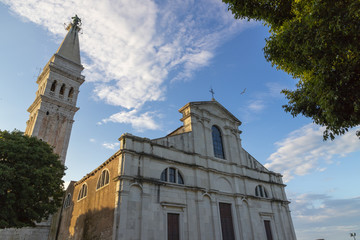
<point x="92" y="216"/>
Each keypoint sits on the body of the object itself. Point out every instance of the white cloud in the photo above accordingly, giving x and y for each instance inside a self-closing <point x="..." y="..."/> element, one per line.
<point x="304" y="149"/>
<point x="92" y="140"/>
<point x="318" y="216"/>
<point x="111" y="146"/>
<point x="256" y="105"/>
<point x="260" y="100"/>
<point x="131" y="46"/>
<point x="139" y="122"/>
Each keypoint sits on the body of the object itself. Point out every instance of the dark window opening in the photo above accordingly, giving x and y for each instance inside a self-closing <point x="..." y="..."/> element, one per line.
<point x="173" y="226"/>
<point x="67" y="201"/>
<point x="180" y="179"/>
<point x="53" y="86"/>
<point x="82" y="192"/>
<point x="103" y="179"/>
<point x="171" y="175"/>
<point x="227" y="227"/>
<point x="71" y="93"/>
<point x="260" y="191"/>
<point x="62" y="89"/>
<point x="217" y="142"/>
<point x="268" y="230"/>
<point x="164" y="176"/>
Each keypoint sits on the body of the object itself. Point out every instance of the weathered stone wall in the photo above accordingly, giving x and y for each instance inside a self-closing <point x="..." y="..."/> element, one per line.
<point x="91" y="217"/>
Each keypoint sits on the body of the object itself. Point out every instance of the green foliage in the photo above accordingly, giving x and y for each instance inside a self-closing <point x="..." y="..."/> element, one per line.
<point x="31" y="180"/>
<point x="317" y="42"/>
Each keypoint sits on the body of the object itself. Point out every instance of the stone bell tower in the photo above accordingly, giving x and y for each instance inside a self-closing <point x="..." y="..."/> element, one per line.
<point x="54" y="107"/>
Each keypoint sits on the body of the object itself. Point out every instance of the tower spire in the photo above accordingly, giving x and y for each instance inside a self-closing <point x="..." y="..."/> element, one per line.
<point x="70" y="47"/>
<point x="52" y="112"/>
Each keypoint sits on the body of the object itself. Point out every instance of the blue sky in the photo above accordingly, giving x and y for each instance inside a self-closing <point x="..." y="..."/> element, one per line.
<point x="146" y="59"/>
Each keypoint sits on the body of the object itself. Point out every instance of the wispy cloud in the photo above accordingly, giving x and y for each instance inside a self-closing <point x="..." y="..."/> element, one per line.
<point x="139" y="122"/>
<point x="111" y="146"/>
<point x="132" y="46"/>
<point x="274" y="89"/>
<point x="256" y="105"/>
<point x="303" y="151"/>
<point x="320" y="216"/>
<point x="259" y="101"/>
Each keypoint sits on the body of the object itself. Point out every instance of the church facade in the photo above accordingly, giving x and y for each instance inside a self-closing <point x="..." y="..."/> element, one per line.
<point x="195" y="183"/>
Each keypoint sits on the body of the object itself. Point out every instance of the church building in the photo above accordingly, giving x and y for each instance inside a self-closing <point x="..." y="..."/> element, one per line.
<point x="198" y="182"/>
<point x="195" y="183"/>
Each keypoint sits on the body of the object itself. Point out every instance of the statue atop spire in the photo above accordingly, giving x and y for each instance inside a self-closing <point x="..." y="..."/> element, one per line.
<point x="70" y="48"/>
<point x="75" y="24"/>
<point x="76" y="21"/>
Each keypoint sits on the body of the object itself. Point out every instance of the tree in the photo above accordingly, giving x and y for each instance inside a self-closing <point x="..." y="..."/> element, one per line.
<point x="31" y="180"/>
<point x="317" y="42"/>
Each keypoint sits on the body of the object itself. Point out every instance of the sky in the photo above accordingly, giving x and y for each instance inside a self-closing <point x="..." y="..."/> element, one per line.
<point x="145" y="59"/>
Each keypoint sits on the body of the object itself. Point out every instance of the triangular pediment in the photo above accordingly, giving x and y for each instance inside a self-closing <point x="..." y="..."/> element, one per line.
<point x="213" y="107"/>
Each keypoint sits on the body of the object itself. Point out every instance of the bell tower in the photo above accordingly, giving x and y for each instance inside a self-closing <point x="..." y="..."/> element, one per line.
<point x="52" y="112"/>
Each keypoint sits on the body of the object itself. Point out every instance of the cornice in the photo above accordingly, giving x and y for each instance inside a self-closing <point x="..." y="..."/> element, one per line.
<point x="92" y="173"/>
<point x="42" y="98"/>
<point x="66" y="72"/>
<point x="142" y="180"/>
<point x="207" y="169"/>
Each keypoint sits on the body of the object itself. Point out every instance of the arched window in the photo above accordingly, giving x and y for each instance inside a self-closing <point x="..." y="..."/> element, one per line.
<point x="103" y="179"/>
<point x="53" y="86"/>
<point x="83" y="192"/>
<point x="71" y="92"/>
<point x="67" y="201"/>
<point x="260" y="191"/>
<point x="171" y="175"/>
<point x="62" y="89"/>
<point x="217" y="142"/>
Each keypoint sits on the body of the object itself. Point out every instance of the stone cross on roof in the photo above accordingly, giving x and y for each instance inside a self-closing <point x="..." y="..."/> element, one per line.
<point x="212" y="94"/>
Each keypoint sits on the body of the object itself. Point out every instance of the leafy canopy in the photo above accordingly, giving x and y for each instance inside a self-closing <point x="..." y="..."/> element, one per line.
<point x="317" y="42"/>
<point x="31" y="180"/>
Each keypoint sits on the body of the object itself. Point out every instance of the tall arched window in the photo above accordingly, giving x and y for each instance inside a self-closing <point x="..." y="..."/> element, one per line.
<point x="83" y="192"/>
<point x="71" y="92"/>
<point x="217" y="142"/>
<point x="67" y="201"/>
<point x="53" y="86"/>
<point x="103" y="179"/>
<point x="260" y="191"/>
<point x="171" y="175"/>
<point x="62" y="89"/>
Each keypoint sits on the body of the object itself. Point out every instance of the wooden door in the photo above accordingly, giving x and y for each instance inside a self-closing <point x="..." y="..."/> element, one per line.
<point x="173" y="226"/>
<point x="268" y="230"/>
<point x="227" y="227"/>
